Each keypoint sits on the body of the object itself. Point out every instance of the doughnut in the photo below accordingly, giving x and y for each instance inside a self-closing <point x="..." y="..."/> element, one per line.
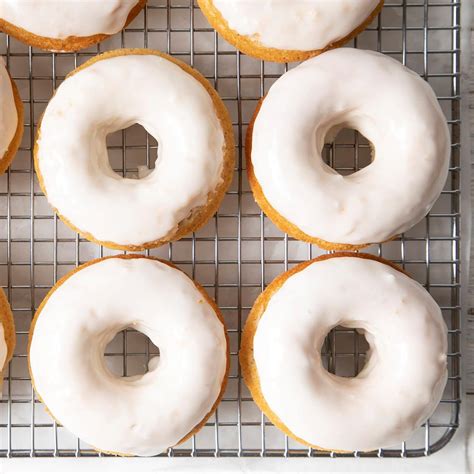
<point x="11" y="118"/>
<point x="391" y="106"/>
<point x="7" y="335"/>
<point x="66" y="25"/>
<point x="405" y="372"/>
<point x="176" y="105"/>
<point x="289" y="30"/>
<point x="144" y="414"/>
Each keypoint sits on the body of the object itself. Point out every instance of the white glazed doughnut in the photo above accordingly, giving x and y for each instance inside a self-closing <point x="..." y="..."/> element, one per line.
<point x="176" y="105"/>
<point x="3" y="349"/>
<point x="391" y="106"/>
<point x="66" y="25"/>
<point x="11" y="118"/>
<point x="404" y="376"/>
<point x="7" y="335"/>
<point x="289" y="30"/>
<point x="140" y="415"/>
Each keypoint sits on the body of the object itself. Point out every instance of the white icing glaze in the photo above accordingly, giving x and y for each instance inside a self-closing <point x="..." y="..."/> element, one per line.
<point x="391" y="106"/>
<point x="65" y="18"/>
<point x="142" y="415"/>
<point x="8" y="112"/>
<point x="403" y="379"/>
<point x="303" y="25"/>
<point x="113" y="94"/>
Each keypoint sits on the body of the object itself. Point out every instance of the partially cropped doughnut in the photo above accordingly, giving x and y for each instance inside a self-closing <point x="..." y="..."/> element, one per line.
<point x="289" y="30"/>
<point x="7" y="335"/>
<point x="11" y="118"/>
<point x="176" y="105"/>
<point x="391" y="106"/>
<point x="66" y="25"/>
<point x="405" y="372"/>
<point x="143" y="414"/>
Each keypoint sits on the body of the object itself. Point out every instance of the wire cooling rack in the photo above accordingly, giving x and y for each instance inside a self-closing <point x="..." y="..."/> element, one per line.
<point x="239" y="252"/>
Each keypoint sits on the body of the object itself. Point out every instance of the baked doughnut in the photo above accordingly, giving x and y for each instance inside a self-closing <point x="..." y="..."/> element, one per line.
<point x="66" y="25"/>
<point x="11" y="118"/>
<point x="7" y="335"/>
<point x="139" y="415"/>
<point x="289" y="30"/>
<point x="391" y="106"/>
<point x="176" y="105"/>
<point x="405" y="373"/>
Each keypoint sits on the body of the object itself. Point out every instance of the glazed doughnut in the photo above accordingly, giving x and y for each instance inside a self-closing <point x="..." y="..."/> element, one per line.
<point x="7" y="335"/>
<point x="11" y="118"/>
<point x="139" y="415"/>
<point x="176" y="105"/>
<point x="405" y="373"/>
<point x="66" y="25"/>
<point x="391" y="106"/>
<point x="289" y="30"/>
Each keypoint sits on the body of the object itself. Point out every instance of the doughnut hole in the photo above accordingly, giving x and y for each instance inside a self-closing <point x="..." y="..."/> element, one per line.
<point x="345" y="351"/>
<point x="129" y="353"/>
<point x="132" y="152"/>
<point x="347" y="152"/>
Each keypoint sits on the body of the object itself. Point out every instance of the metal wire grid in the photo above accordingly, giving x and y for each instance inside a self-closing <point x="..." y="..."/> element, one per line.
<point x="239" y="251"/>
